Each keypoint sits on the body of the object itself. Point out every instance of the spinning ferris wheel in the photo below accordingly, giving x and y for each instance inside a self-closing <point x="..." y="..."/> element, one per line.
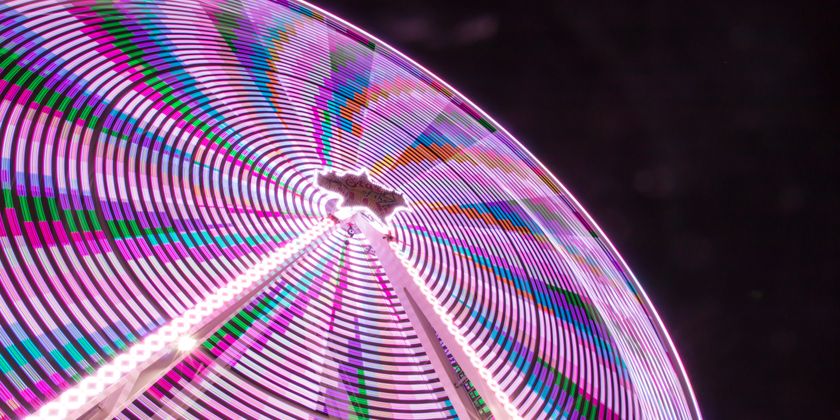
<point x="227" y="209"/>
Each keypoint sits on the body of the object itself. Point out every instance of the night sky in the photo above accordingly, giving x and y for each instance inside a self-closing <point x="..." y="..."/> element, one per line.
<point x="702" y="138"/>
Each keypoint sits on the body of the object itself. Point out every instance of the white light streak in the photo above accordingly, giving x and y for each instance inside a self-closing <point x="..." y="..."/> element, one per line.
<point x="173" y="336"/>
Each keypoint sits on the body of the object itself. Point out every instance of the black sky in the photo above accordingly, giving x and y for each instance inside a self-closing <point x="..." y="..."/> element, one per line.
<point x="703" y="139"/>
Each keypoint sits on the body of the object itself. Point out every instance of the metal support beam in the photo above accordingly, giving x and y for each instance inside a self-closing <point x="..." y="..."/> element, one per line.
<point x="426" y="323"/>
<point x="116" y="397"/>
<point x="430" y="329"/>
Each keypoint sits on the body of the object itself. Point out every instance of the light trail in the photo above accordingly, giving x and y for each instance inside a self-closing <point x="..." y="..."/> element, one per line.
<point x="125" y="370"/>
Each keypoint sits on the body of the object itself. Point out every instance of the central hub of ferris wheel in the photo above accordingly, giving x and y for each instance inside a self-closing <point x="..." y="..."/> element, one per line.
<point x="357" y="192"/>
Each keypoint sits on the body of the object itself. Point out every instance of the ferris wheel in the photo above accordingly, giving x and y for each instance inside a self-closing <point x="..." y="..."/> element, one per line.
<point x="253" y="209"/>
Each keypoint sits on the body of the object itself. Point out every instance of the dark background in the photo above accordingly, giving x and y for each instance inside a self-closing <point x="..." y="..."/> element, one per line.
<point x="701" y="138"/>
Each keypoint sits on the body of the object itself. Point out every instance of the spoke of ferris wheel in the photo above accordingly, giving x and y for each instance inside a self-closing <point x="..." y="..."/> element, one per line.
<point x="433" y="325"/>
<point x="107" y="390"/>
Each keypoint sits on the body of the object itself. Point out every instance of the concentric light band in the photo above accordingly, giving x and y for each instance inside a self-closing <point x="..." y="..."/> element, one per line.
<point x="174" y="336"/>
<point x="154" y="153"/>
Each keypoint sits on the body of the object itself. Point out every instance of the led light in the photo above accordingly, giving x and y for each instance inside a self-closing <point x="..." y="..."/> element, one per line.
<point x="186" y="344"/>
<point x="172" y="334"/>
<point x="511" y="410"/>
<point x="343" y="213"/>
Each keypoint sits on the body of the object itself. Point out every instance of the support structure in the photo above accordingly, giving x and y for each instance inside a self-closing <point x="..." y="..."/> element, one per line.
<point x="139" y="381"/>
<point x="156" y="357"/>
<point x="426" y="324"/>
<point x="104" y="394"/>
